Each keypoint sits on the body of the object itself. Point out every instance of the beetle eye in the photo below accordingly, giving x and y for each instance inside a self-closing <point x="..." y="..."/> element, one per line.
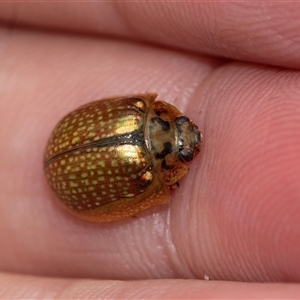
<point x="186" y="156"/>
<point x="181" y="120"/>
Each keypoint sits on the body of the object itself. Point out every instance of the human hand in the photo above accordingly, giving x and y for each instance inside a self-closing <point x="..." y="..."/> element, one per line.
<point x="233" y="68"/>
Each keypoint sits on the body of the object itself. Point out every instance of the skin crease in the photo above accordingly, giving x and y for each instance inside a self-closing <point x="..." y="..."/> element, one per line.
<point x="235" y="218"/>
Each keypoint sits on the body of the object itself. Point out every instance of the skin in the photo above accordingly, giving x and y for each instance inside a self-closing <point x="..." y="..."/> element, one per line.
<point x="233" y="68"/>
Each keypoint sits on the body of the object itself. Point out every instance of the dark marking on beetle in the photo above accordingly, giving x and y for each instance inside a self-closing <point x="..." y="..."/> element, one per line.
<point x="160" y="111"/>
<point x="135" y="137"/>
<point x="157" y="112"/>
<point x="165" y="125"/>
<point x="167" y="150"/>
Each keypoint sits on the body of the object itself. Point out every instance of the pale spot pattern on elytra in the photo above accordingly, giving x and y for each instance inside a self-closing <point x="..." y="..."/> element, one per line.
<point x="100" y="170"/>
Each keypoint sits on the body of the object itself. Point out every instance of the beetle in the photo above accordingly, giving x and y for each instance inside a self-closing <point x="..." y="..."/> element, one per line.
<point x="113" y="158"/>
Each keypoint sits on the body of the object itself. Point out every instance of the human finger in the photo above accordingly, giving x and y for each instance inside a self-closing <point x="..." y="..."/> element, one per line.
<point x="265" y="33"/>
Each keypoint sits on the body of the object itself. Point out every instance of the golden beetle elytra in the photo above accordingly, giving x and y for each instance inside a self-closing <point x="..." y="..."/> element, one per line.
<point x="113" y="158"/>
